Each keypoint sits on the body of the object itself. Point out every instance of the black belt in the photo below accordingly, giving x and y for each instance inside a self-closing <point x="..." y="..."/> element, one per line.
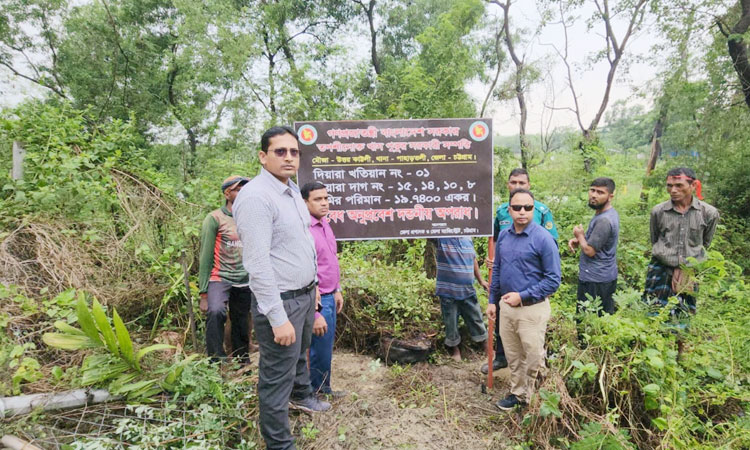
<point x="328" y="293"/>
<point x="291" y="294"/>
<point x="532" y="301"/>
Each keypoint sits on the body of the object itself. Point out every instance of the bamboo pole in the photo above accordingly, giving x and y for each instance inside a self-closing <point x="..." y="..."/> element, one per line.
<point x="491" y="323"/>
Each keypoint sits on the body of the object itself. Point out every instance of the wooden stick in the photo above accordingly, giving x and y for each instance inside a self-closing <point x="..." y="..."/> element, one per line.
<point x="189" y="298"/>
<point x="491" y="323"/>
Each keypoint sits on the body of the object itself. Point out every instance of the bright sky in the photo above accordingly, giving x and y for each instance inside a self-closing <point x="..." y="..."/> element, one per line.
<point x="552" y="90"/>
<point x="589" y="80"/>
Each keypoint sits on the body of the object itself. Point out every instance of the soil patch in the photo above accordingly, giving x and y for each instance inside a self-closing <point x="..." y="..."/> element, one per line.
<point x="422" y="406"/>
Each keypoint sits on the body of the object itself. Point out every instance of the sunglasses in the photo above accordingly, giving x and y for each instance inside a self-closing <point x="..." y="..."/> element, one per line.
<point x="281" y="152"/>
<point x="519" y="207"/>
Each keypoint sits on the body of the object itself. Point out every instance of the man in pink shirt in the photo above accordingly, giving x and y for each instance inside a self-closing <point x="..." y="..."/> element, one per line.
<point x="331" y="300"/>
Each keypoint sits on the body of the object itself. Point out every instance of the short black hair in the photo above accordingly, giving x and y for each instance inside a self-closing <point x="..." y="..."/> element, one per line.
<point x="608" y="183"/>
<point x="520" y="191"/>
<point x="275" y="131"/>
<point x="677" y="171"/>
<point x="309" y="187"/>
<point x="519" y="171"/>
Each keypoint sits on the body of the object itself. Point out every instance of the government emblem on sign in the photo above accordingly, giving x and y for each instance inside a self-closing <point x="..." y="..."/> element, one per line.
<point x="307" y="134"/>
<point x="479" y="131"/>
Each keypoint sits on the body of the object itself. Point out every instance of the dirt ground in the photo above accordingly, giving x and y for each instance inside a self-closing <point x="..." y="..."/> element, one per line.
<point x="439" y="405"/>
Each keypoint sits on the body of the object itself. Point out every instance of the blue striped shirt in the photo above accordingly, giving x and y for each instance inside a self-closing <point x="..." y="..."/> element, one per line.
<point x="455" y="268"/>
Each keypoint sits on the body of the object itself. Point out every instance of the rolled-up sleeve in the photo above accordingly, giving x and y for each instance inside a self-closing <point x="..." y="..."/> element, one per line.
<point x="254" y="217"/>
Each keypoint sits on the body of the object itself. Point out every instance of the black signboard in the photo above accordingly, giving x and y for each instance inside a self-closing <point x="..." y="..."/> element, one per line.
<point x="390" y="179"/>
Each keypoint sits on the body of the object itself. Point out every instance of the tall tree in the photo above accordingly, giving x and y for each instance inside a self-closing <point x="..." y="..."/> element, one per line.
<point x="167" y="63"/>
<point x="609" y="15"/>
<point x="522" y="76"/>
<point x="426" y="61"/>
<point x="737" y="46"/>
<point x="29" y="41"/>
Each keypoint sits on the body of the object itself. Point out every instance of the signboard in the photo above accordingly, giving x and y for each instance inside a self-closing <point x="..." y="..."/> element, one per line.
<point x="392" y="179"/>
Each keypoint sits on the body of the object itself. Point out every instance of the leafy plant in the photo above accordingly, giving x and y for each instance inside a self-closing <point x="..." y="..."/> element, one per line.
<point x="120" y="365"/>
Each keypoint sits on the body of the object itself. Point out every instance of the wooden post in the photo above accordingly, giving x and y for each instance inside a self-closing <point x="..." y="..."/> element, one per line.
<point x="189" y="298"/>
<point x="19" y="153"/>
<point x="491" y="323"/>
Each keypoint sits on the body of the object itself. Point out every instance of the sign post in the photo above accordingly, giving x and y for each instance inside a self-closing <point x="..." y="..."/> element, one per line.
<point x="402" y="179"/>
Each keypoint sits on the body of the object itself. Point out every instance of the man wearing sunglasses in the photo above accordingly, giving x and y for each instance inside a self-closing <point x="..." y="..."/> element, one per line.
<point x="278" y="252"/>
<point x="222" y="279"/>
<point x="518" y="179"/>
<point x="526" y="271"/>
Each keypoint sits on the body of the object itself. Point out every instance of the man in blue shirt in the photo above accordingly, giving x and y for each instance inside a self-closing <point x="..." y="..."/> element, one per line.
<point x="456" y="269"/>
<point x="518" y="179"/>
<point x="597" y="273"/>
<point x="525" y="273"/>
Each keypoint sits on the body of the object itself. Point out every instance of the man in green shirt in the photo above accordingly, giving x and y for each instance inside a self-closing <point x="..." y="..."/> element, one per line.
<point x="222" y="278"/>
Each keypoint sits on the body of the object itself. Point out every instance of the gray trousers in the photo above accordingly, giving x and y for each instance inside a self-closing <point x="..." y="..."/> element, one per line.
<point x="219" y="294"/>
<point x="283" y="371"/>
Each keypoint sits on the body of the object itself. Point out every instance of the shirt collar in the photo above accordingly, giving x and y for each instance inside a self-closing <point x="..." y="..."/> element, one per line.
<point x="225" y="210"/>
<point x="695" y="204"/>
<point x="315" y="221"/>
<point x="278" y="186"/>
<point x="525" y="231"/>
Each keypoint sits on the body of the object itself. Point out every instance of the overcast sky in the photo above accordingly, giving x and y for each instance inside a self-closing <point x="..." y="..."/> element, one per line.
<point x="552" y="89"/>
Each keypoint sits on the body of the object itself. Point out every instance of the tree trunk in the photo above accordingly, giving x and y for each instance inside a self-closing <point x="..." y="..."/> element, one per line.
<point x="738" y="50"/>
<point x="192" y="153"/>
<point x="519" y="88"/>
<point x="369" y="11"/>
<point x="430" y="264"/>
<point x="655" y="145"/>
<point x="373" y="37"/>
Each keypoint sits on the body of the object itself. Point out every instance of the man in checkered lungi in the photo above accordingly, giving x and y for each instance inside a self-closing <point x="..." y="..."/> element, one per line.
<point x="681" y="228"/>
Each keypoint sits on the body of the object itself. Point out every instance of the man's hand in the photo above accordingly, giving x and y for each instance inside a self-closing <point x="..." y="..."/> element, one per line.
<point x="320" y="326"/>
<point x="573" y="244"/>
<point x="578" y="231"/>
<point x="485" y="285"/>
<point x="339" y="299"/>
<point x="491" y="311"/>
<point x="512" y="298"/>
<point x="204" y="303"/>
<point x="284" y="334"/>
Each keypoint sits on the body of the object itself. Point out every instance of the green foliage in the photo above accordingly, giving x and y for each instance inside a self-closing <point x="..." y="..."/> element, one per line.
<point x="630" y="366"/>
<point x="593" y="437"/>
<point x="385" y="299"/>
<point x="430" y="84"/>
<point x="67" y="170"/>
<point x="121" y="367"/>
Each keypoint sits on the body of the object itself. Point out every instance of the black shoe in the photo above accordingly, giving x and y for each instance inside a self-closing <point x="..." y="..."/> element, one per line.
<point x="497" y="364"/>
<point x="310" y="404"/>
<point x="509" y="402"/>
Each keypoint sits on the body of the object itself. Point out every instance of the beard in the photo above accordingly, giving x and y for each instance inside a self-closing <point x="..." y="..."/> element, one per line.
<point x="597" y="206"/>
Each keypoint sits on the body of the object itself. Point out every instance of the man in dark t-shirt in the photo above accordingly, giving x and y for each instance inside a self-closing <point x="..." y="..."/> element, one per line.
<point x="597" y="276"/>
